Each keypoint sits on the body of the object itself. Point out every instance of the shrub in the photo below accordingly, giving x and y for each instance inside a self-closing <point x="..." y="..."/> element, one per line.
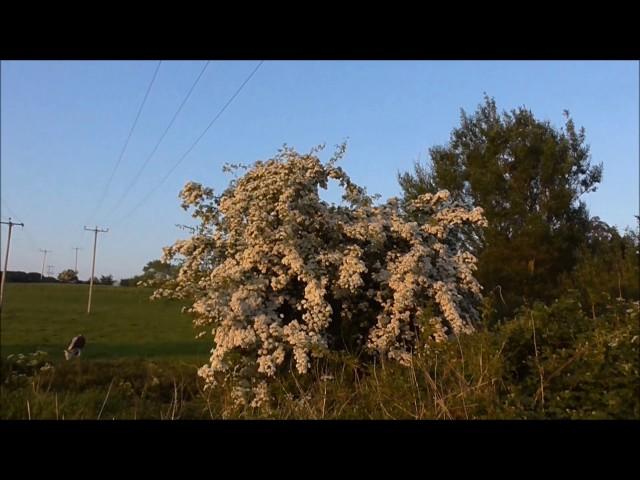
<point x="561" y="363"/>
<point x="278" y="274"/>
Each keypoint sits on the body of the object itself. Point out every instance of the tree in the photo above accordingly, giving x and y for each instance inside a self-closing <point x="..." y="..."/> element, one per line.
<point x="154" y="273"/>
<point x="278" y="275"/>
<point x="68" y="276"/>
<point x="106" y="279"/>
<point x="159" y="271"/>
<point x="529" y="178"/>
<point x="22" y="277"/>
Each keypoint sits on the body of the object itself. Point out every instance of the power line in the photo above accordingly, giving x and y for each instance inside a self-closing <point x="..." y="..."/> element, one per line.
<point x="155" y="148"/>
<point x="126" y="143"/>
<point x="153" y="190"/>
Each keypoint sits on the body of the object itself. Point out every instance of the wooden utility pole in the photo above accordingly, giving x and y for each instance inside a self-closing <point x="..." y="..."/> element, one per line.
<point x="76" y="266"/>
<point x="44" y="259"/>
<point x="93" y="264"/>
<point x="186" y="227"/>
<point x="6" y="259"/>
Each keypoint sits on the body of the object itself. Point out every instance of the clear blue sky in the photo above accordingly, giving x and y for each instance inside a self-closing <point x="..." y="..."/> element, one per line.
<point x="65" y="123"/>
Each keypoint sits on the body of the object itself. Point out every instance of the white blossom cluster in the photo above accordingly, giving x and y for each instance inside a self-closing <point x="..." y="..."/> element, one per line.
<point x="273" y="270"/>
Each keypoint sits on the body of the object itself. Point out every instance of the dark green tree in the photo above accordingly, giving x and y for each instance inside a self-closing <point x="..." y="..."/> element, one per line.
<point x="529" y="178"/>
<point x="106" y="280"/>
<point x="154" y="272"/>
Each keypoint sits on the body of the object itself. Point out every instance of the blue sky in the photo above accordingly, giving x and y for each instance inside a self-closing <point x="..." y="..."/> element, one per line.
<point x="65" y="123"/>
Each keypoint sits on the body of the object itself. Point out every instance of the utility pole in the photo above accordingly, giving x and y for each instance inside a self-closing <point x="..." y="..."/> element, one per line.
<point x="186" y="227"/>
<point x="76" y="267"/>
<point x="50" y="270"/>
<point x="6" y="258"/>
<point x="93" y="264"/>
<point x="44" y="259"/>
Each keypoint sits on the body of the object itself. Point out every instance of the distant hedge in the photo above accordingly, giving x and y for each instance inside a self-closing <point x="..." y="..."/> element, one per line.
<point x="31" y="277"/>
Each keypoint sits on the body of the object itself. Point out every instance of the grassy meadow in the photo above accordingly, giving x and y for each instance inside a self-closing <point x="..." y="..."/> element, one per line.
<point x="140" y="355"/>
<point x="123" y="324"/>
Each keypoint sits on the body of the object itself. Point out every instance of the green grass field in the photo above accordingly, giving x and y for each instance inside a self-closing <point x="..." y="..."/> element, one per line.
<point x="141" y="361"/>
<point x="123" y="323"/>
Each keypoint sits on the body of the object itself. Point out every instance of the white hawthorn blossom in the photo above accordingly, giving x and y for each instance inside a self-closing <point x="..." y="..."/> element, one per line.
<point x="272" y="270"/>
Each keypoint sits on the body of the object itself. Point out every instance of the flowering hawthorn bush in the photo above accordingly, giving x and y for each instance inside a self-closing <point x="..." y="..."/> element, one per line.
<point x="277" y="274"/>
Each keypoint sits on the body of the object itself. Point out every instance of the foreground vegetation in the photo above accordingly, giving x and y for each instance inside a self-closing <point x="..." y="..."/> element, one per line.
<point x="548" y="362"/>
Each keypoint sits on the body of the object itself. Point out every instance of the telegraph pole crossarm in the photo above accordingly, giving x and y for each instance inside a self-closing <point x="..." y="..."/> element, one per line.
<point x="6" y="258"/>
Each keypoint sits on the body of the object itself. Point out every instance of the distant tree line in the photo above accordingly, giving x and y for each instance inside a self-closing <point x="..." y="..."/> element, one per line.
<point x="31" y="277"/>
<point x="66" y="276"/>
<point x="154" y="273"/>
